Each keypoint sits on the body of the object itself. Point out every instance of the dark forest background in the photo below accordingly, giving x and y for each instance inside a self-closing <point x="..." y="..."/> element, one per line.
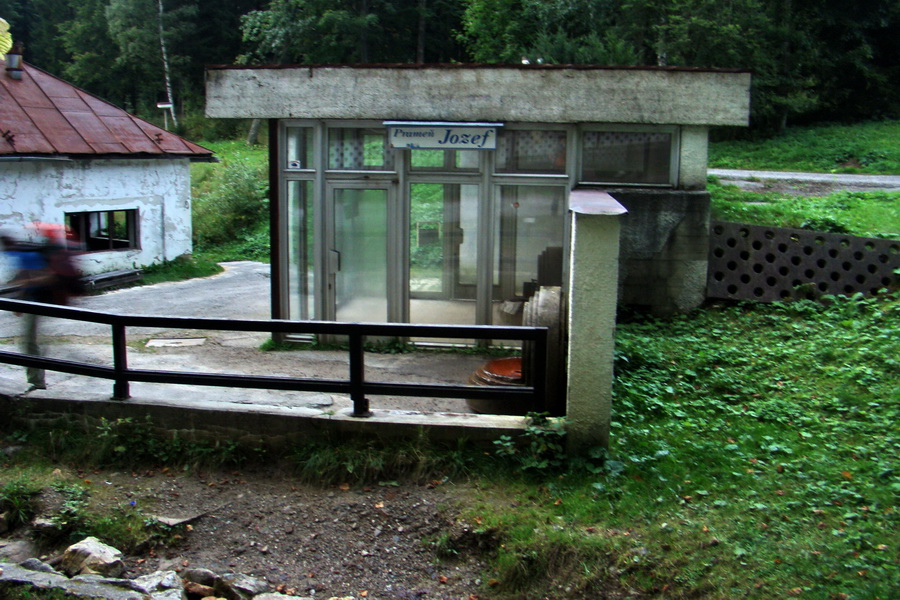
<point x="813" y="60"/>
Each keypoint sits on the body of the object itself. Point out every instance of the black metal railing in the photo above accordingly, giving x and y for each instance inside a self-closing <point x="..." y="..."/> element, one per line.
<point x="356" y="386"/>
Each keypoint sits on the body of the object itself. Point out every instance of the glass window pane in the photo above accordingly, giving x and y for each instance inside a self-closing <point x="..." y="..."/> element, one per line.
<point x="426" y="237"/>
<point x="119" y="226"/>
<point x="626" y="157"/>
<point x="542" y="152"/>
<point x="98" y="225"/>
<point x="443" y="160"/>
<point x="439" y="292"/>
<point x="299" y="148"/>
<point x="360" y="240"/>
<point x="531" y="239"/>
<point x="358" y="149"/>
<point x="301" y="251"/>
<point x="467" y="159"/>
<point x="427" y="159"/>
<point x="468" y="236"/>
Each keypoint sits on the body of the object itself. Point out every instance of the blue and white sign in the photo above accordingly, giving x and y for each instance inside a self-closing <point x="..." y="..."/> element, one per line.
<point x="442" y="136"/>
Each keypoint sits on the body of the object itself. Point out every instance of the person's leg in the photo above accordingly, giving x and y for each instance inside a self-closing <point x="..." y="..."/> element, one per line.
<point x="35" y="376"/>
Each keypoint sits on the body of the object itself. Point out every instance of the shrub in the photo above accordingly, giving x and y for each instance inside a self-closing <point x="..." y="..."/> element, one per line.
<point x="236" y="206"/>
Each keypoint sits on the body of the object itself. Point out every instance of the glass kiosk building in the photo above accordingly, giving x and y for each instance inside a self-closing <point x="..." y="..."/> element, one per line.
<point x="440" y="193"/>
<point x="385" y="223"/>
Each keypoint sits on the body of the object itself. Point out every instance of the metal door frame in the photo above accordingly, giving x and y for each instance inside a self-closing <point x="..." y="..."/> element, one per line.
<point x="393" y="249"/>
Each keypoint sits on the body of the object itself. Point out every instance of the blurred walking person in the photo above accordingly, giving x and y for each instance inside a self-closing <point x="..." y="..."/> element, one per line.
<point x="44" y="272"/>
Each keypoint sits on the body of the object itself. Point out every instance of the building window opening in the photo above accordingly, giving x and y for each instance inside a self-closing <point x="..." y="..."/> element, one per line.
<point x="532" y="224"/>
<point x="106" y="229"/>
<point x="531" y="152"/>
<point x="442" y="252"/>
<point x="444" y="160"/>
<point x="627" y="157"/>
<point x="301" y="250"/>
<point x="299" y="148"/>
<point x="359" y="149"/>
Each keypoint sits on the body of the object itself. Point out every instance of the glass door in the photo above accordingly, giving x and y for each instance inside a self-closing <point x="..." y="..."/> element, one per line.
<point x="361" y="258"/>
<point x="442" y="253"/>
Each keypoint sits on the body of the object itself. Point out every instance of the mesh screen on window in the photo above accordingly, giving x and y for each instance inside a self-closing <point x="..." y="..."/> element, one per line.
<point x="358" y="149"/>
<point x="626" y="157"/>
<point x="542" y="152"/>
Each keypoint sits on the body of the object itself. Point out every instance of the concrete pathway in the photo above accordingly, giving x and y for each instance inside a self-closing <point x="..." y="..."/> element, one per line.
<point x="240" y="292"/>
<point x="881" y="182"/>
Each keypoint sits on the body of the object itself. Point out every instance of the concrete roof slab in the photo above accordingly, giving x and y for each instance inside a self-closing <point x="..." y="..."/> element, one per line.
<point x="555" y="94"/>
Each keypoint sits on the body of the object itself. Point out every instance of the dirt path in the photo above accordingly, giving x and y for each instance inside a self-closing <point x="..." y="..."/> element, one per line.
<point x="324" y="542"/>
<point x="372" y="542"/>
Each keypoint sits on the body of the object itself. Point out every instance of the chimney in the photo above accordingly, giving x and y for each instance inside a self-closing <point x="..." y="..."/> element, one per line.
<point x="14" y="61"/>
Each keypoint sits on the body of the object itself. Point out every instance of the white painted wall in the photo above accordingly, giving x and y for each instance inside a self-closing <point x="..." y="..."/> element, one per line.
<point x="46" y="190"/>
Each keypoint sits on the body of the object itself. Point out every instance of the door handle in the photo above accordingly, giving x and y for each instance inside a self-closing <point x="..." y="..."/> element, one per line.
<point x="335" y="260"/>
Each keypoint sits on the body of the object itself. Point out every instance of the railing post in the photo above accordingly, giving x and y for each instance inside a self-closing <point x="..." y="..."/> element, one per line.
<point x="120" y="363"/>
<point x="357" y="376"/>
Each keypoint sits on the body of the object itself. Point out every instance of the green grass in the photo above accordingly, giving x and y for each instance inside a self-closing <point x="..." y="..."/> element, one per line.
<point x="84" y="509"/>
<point x="230" y="203"/>
<point x="17" y="500"/>
<point x="754" y="455"/>
<point x="249" y="245"/>
<point x="204" y="175"/>
<point x="868" y="214"/>
<point x="861" y="148"/>
<point x="185" y="267"/>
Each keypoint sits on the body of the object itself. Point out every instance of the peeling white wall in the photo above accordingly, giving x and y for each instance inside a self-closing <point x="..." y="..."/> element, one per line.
<point x="45" y="190"/>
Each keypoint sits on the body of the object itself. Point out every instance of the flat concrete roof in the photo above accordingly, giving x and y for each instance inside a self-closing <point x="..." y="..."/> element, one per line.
<point x="508" y="93"/>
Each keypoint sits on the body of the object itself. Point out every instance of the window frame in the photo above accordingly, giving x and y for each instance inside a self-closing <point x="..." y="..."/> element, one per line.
<point x="515" y="129"/>
<point x="388" y="169"/>
<point x="674" y="153"/>
<point x="80" y="223"/>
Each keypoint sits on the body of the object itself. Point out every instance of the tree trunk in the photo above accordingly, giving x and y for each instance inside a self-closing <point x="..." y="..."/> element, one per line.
<point x="165" y="61"/>
<point x="253" y="134"/>
<point x="420" y="38"/>
<point x="787" y="19"/>
<point x="364" y="34"/>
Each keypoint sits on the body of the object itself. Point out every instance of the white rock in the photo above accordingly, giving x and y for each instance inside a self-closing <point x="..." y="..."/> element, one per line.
<point x="242" y="586"/>
<point x="90" y="555"/>
<point x="168" y="595"/>
<point x="159" y="581"/>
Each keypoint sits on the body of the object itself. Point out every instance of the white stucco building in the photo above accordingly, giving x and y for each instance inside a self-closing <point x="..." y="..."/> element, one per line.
<point x="121" y="184"/>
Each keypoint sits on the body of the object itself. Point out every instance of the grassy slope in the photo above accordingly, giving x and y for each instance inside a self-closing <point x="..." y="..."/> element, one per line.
<point x="755" y="449"/>
<point x="863" y="148"/>
<point x="867" y="214"/>
<point x="755" y="455"/>
<point x="871" y="148"/>
<point x="222" y="189"/>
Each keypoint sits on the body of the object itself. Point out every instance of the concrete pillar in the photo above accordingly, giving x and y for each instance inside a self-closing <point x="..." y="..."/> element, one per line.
<point x="592" y="297"/>
<point x="693" y="156"/>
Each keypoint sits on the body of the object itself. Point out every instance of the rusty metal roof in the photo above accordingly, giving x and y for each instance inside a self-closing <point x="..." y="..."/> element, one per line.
<point x="41" y="115"/>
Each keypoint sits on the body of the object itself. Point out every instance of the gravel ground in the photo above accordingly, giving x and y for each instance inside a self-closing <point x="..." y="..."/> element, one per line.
<point x="308" y="541"/>
<point x="375" y="542"/>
